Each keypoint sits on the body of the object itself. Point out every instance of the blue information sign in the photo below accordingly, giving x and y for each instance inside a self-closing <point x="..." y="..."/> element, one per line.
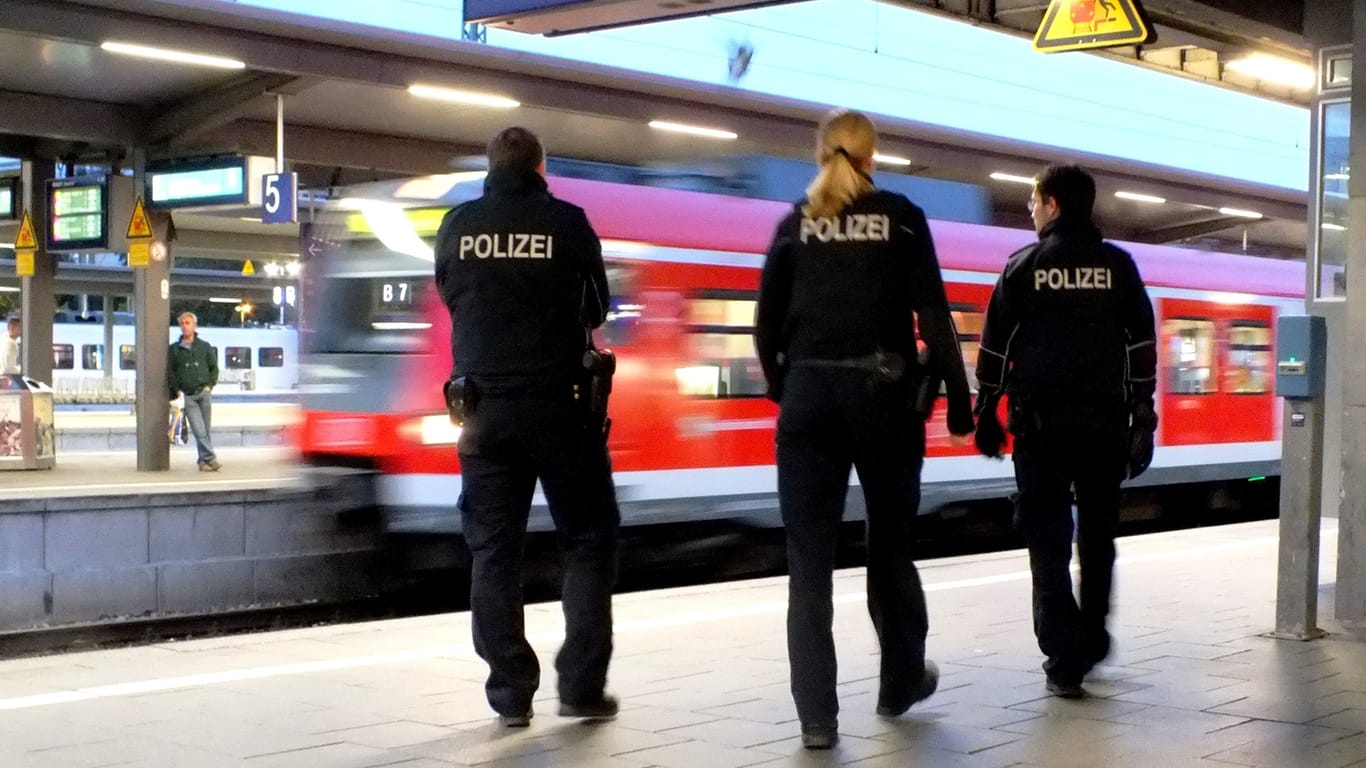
<point x="279" y="198"/>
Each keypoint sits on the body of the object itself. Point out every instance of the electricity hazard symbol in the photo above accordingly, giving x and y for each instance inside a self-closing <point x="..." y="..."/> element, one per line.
<point x="1071" y="25"/>
<point x="138" y="225"/>
<point x="248" y="268"/>
<point x="26" y="240"/>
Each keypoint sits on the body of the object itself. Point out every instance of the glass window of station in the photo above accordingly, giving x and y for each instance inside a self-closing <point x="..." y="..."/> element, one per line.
<point x="1333" y="172"/>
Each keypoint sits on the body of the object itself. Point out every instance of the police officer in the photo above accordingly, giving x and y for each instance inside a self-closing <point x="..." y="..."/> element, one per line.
<point x="1069" y="338"/>
<point x="849" y="275"/>
<point x="523" y="276"/>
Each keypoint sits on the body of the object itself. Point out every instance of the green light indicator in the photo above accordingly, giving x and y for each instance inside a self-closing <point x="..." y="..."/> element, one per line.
<point x="1256" y="478"/>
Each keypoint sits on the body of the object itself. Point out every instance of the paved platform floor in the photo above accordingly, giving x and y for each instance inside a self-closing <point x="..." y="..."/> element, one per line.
<point x="702" y="673"/>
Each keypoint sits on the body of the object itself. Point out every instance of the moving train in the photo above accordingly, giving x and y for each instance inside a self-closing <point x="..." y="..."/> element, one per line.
<point x="256" y="360"/>
<point x="693" y="436"/>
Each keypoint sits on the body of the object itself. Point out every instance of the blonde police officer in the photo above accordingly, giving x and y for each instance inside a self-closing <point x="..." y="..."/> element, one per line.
<point x="849" y="276"/>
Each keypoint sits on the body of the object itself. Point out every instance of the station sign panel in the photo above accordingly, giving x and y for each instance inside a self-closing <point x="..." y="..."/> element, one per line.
<point x="557" y="17"/>
<point x="9" y="199"/>
<point x="78" y="214"/>
<point x="280" y="198"/>
<point x="231" y="181"/>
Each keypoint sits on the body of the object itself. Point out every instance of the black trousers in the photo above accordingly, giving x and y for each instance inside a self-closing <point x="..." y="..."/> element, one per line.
<point x="506" y="445"/>
<point x="830" y="420"/>
<point x="1061" y="451"/>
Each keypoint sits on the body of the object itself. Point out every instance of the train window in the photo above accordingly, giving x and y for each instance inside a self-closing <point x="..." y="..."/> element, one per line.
<point x="128" y="357"/>
<point x="623" y="315"/>
<point x="1249" y="359"/>
<point x="92" y="357"/>
<point x="63" y="357"/>
<point x="237" y="358"/>
<point x="1189" y="360"/>
<point x="721" y="347"/>
<point x="969" y="324"/>
<point x="723" y="365"/>
<point x="270" y="357"/>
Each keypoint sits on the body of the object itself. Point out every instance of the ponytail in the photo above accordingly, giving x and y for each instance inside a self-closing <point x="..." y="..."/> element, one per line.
<point x="844" y="140"/>
<point x="837" y="185"/>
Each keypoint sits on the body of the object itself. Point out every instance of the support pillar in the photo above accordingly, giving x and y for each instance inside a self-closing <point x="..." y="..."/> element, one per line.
<point x="39" y="298"/>
<point x="1351" y="577"/>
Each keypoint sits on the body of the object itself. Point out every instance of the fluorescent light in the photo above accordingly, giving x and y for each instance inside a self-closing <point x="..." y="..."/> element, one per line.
<point x="8" y="289"/>
<point x="1241" y="213"/>
<point x="1012" y="177"/>
<point x="1337" y="176"/>
<point x="1331" y="227"/>
<point x="1229" y="297"/>
<point x="1140" y="197"/>
<point x="463" y="97"/>
<point x="891" y="159"/>
<point x="224" y="300"/>
<point x="1274" y="70"/>
<point x="695" y="130"/>
<point x="167" y="54"/>
<point x="399" y="325"/>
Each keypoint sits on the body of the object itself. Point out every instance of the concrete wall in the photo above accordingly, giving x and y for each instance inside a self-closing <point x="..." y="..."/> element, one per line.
<point x="108" y="558"/>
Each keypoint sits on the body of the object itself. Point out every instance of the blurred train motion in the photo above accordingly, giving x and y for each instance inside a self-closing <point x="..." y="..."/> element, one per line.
<point x="693" y="435"/>
<point x="260" y="360"/>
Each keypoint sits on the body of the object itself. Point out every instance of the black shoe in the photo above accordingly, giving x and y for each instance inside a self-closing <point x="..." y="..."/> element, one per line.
<point x="1065" y="690"/>
<point x="929" y="683"/>
<point x="604" y="708"/>
<point x="820" y="736"/>
<point x="515" y="721"/>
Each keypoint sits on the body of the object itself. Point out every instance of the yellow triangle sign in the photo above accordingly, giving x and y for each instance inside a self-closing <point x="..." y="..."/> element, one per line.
<point x="25" y="240"/>
<point x="138" y="225"/>
<point x="1072" y="25"/>
<point x="248" y="268"/>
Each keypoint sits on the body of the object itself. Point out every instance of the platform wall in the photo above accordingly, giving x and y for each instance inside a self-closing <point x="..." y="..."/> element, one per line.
<point x="67" y="562"/>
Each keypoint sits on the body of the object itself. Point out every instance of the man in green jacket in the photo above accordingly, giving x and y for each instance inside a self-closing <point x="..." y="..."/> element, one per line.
<point x="192" y="371"/>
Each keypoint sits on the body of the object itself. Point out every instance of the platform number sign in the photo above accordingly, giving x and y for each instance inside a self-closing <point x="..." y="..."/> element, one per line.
<point x="279" y="198"/>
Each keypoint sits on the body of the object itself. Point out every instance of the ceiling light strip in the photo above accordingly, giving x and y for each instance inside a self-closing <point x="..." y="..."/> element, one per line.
<point x="693" y="130"/>
<point x="168" y="54"/>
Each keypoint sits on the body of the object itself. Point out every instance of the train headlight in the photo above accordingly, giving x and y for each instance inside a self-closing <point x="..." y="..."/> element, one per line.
<point x="435" y="429"/>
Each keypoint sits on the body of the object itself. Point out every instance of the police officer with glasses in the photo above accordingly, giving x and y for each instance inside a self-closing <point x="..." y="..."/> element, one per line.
<point x="1069" y="341"/>
<point x="849" y="276"/>
<point x="523" y="277"/>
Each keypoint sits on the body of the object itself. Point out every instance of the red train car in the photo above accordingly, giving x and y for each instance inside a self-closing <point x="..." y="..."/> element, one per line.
<point x="693" y="436"/>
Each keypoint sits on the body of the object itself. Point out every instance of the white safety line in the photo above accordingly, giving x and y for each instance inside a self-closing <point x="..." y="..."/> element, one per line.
<point x="644" y="625"/>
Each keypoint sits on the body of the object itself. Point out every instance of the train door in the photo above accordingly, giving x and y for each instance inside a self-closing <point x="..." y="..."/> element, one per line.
<point x="967" y="303"/>
<point x="1215" y="373"/>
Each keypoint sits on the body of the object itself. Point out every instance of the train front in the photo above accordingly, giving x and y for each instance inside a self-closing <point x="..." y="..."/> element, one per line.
<point x="375" y="345"/>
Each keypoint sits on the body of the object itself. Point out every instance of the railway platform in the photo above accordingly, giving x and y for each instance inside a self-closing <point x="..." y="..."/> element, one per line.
<point x="702" y="676"/>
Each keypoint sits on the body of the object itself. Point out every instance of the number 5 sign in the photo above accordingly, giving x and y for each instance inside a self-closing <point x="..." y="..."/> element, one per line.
<point x="279" y="198"/>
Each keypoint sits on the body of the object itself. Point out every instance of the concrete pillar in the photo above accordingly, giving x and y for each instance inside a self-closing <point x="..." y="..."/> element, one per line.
<point x="1351" y="578"/>
<point x="39" y="299"/>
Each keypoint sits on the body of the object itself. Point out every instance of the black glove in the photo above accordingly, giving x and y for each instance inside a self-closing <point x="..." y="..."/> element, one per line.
<point x="1142" y="429"/>
<point x="989" y="436"/>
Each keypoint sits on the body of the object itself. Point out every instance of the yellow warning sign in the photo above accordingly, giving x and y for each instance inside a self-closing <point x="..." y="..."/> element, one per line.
<point x="25" y="239"/>
<point x="248" y="268"/>
<point x="1071" y="25"/>
<point x="138" y="225"/>
<point x="23" y="263"/>
<point x="138" y="252"/>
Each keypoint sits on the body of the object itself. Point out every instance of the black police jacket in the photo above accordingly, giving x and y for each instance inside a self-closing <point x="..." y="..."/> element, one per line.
<point x="522" y="275"/>
<point x="847" y="286"/>
<point x="1069" y="324"/>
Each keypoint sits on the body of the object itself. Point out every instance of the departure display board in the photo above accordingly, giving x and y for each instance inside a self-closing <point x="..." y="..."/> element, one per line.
<point x="9" y="199"/>
<point x="220" y="181"/>
<point x="79" y="217"/>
